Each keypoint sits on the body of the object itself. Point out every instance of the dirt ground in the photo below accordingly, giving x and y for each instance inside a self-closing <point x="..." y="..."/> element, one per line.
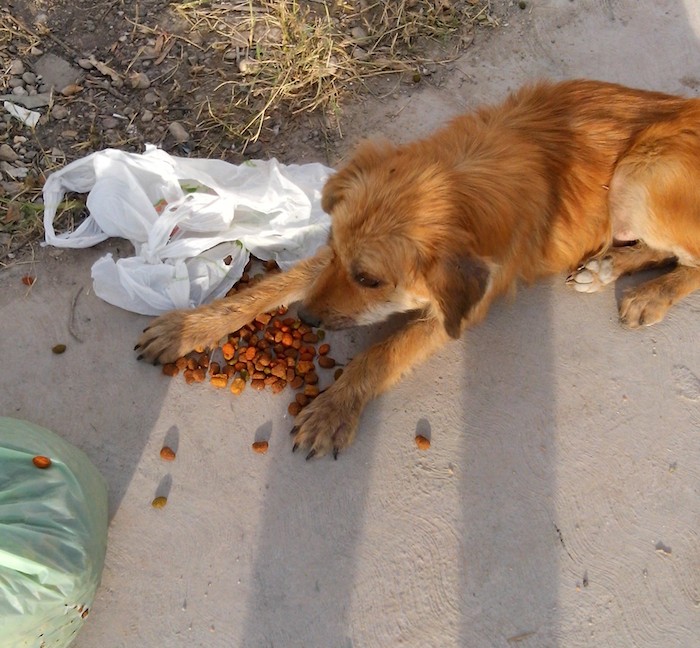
<point x="557" y="506"/>
<point x="228" y="80"/>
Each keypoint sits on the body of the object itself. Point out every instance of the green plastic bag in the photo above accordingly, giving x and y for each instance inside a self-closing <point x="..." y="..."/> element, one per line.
<point x="53" y="537"/>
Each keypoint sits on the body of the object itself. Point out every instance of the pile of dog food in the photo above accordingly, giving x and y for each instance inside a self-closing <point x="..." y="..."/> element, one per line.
<point x="275" y="351"/>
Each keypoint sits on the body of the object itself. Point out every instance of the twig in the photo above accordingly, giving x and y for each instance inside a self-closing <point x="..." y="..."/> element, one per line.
<point x="71" y="320"/>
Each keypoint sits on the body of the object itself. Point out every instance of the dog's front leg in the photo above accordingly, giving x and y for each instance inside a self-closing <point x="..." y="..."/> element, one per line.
<point x="330" y="422"/>
<point x="174" y="334"/>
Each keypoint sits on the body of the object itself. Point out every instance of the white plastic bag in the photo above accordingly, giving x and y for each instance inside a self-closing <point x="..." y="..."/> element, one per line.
<point x="185" y="217"/>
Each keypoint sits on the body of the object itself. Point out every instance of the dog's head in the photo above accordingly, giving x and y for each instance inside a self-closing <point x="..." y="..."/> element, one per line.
<point x="397" y="243"/>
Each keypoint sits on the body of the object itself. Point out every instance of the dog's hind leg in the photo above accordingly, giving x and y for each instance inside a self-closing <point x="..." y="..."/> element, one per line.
<point x="648" y="303"/>
<point x="599" y="271"/>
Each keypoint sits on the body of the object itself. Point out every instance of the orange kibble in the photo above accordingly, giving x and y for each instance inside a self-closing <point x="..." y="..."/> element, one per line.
<point x="228" y="351"/>
<point x="219" y="380"/>
<point x="287" y="339"/>
<point x="257" y="384"/>
<point x="167" y="453"/>
<point x="260" y="447"/>
<point x="422" y="442"/>
<point x="311" y="391"/>
<point x="237" y="386"/>
<point x="304" y="367"/>
<point x="324" y="349"/>
<point x="171" y="369"/>
<point x="250" y="353"/>
<point x="326" y="362"/>
<point x="198" y="375"/>
<point x="40" y="461"/>
<point x="293" y="408"/>
<point x="296" y="383"/>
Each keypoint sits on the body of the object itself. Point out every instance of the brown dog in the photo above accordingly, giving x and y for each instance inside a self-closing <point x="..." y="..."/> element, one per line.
<point x="557" y="174"/>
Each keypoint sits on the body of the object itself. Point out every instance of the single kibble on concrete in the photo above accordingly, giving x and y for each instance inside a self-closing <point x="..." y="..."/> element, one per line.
<point x="167" y="453"/>
<point x="260" y="447"/>
<point x="40" y="461"/>
<point x="159" y="502"/>
<point x="58" y="348"/>
<point x="422" y="442"/>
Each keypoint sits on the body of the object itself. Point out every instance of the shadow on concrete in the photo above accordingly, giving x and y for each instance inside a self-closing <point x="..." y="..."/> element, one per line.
<point x="95" y="395"/>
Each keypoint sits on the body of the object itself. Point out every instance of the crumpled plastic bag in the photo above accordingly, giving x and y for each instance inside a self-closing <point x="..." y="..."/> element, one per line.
<point x="53" y="537"/>
<point x="193" y="222"/>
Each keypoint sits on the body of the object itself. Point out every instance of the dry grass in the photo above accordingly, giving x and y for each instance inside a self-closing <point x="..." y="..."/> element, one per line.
<point x="305" y="56"/>
<point x="265" y="57"/>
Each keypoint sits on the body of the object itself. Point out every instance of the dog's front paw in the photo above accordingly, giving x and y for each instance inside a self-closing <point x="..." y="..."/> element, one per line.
<point x="329" y="423"/>
<point x="169" y="337"/>
<point x="592" y="275"/>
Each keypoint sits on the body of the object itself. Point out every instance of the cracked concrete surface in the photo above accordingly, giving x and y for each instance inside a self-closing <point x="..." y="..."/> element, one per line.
<point x="558" y="506"/>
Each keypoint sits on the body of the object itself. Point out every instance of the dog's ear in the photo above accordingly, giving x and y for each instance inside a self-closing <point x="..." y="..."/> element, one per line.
<point x="367" y="156"/>
<point x="458" y="282"/>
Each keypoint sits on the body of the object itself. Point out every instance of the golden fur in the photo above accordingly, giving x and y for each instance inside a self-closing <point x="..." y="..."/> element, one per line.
<point x="557" y="174"/>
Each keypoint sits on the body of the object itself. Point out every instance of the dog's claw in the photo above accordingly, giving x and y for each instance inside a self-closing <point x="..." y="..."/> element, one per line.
<point x="137" y="347"/>
<point x="311" y="454"/>
<point x="294" y="430"/>
<point x="294" y="447"/>
<point x="336" y="450"/>
<point x="139" y="357"/>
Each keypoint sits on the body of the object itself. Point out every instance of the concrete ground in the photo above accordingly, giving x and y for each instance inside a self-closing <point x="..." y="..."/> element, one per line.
<point x="559" y="504"/>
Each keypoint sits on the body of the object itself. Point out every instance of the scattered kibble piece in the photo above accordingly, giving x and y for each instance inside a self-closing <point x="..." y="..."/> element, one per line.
<point x="422" y="442"/>
<point x="58" y="348"/>
<point x="171" y="369"/>
<point x="40" y="461"/>
<point x="159" y="502"/>
<point x="260" y="447"/>
<point x="294" y="408"/>
<point x="237" y="386"/>
<point x="219" y="380"/>
<point x="167" y="453"/>
<point x="28" y="280"/>
<point x="326" y="362"/>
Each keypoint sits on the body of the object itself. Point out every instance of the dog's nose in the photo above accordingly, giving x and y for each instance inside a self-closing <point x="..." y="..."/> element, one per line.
<point x="308" y="318"/>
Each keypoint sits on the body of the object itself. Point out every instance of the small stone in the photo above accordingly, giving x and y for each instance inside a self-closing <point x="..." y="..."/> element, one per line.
<point x="248" y="66"/>
<point x="7" y="153"/>
<point x="151" y="98"/>
<point x="29" y="78"/>
<point x="59" y="112"/>
<point x="85" y="64"/>
<point x="15" y="82"/>
<point x="35" y="51"/>
<point x="139" y="81"/>
<point x="358" y="33"/>
<point x="16" y="68"/>
<point x="146" y="116"/>
<point x="230" y="55"/>
<point x="110" y="122"/>
<point x="360" y="54"/>
<point x="71" y="89"/>
<point x="177" y="130"/>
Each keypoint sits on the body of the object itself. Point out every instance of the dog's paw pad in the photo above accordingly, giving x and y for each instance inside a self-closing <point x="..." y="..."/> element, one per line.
<point x="592" y="275"/>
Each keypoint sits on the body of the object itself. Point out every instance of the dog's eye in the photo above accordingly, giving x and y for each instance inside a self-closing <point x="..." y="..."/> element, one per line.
<point x="367" y="281"/>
